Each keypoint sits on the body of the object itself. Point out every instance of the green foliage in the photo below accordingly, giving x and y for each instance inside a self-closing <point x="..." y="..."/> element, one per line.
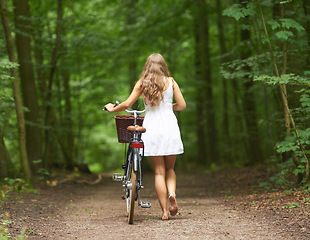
<point x="292" y="205"/>
<point x="283" y="26"/>
<point x="18" y="185"/>
<point x="291" y="79"/>
<point x="285" y="30"/>
<point x="293" y="144"/>
<point x="284" y="35"/>
<point x="265" y="185"/>
<point x="229" y="196"/>
<point x="6" y="65"/>
<point x="6" y="95"/>
<point x="298" y="145"/>
<point x="289" y="23"/>
<point x="283" y="177"/>
<point x="8" y="128"/>
<point x="6" y="235"/>
<point x="274" y="24"/>
<point x="101" y="39"/>
<point x="305" y="101"/>
<point x="237" y="11"/>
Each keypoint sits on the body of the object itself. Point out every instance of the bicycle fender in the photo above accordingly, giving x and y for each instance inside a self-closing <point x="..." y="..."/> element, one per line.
<point x="135" y="159"/>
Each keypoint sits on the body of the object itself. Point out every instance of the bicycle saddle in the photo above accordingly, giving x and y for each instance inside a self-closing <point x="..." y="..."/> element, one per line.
<point x="136" y="128"/>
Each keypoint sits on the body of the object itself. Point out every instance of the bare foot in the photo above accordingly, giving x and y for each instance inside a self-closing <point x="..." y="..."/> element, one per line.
<point x="165" y="216"/>
<point x="173" y="209"/>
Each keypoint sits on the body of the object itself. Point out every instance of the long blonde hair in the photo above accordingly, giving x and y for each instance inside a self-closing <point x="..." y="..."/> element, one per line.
<point x="152" y="79"/>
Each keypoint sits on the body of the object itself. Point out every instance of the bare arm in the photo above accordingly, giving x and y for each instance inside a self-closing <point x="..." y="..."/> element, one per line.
<point x="133" y="97"/>
<point x="180" y="104"/>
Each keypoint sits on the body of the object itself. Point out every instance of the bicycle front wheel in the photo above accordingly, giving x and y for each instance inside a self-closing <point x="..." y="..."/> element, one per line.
<point x="132" y="196"/>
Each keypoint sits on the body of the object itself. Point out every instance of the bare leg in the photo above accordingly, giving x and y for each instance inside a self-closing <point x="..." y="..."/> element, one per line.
<point x="158" y="163"/>
<point x="171" y="183"/>
<point x="170" y="174"/>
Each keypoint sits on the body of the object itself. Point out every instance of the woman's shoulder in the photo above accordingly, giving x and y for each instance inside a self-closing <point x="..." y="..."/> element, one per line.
<point x="170" y="79"/>
<point x="174" y="83"/>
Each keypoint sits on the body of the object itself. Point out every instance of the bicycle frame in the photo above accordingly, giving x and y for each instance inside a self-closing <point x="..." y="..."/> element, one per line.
<point x="132" y="177"/>
<point x="135" y="145"/>
<point x="134" y="157"/>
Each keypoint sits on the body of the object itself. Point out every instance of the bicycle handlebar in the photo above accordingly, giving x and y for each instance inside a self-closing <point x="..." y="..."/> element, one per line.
<point x="135" y="112"/>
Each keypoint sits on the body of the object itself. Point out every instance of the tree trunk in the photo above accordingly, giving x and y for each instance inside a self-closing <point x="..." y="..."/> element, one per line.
<point x="37" y="36"/>
<point x="223" y="51"/>
<point x="239" y="144"/>
<point x="205" y="112"/>
<point x="67" y="121"/>
<point x="17" y="95"/>
<point x="202" y="157"/>
<point x="237" y="119"/>
<point x="253" y="144"/>
<point x="23" y="45"/>
<point x="49" y="113"/>
<point x="306" y="6"/>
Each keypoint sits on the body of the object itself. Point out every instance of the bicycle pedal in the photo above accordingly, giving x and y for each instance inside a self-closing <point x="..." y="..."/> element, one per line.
<point x="118" y="177"/>
<point x="144" y="204"/>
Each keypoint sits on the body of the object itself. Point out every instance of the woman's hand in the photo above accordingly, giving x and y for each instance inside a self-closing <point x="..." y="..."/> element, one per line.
<point x="109" y="107"/>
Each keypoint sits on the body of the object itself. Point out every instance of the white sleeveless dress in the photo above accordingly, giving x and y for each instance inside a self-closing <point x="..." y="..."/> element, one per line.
<point x="162" y="136"/>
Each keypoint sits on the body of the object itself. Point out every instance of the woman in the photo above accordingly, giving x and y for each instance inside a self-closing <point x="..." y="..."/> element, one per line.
<point x="162" y="139"/>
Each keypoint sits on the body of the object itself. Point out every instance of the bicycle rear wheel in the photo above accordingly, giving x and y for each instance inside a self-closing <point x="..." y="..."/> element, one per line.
<point x="132" y="196"/>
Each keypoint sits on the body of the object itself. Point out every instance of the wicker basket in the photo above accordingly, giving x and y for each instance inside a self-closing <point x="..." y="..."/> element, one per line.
<point x="122" y="122"/>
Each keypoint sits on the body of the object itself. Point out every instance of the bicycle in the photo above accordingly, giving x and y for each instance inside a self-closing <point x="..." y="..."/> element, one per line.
<point x="129" y="131"/>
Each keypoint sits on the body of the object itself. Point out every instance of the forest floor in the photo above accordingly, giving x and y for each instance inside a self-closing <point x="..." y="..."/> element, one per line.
<point x="223" y="204"/>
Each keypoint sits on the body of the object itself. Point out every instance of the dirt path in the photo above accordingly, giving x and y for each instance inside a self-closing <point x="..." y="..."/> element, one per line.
<point x="82" y="211"/>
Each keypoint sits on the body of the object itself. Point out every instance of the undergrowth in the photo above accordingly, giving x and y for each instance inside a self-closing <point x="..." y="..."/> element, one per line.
<point x="7" y="186"/>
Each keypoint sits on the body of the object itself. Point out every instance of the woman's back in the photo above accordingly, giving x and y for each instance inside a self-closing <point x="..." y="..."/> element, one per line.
<point x="162" y="135"/>
<point x="166" y="102"/>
